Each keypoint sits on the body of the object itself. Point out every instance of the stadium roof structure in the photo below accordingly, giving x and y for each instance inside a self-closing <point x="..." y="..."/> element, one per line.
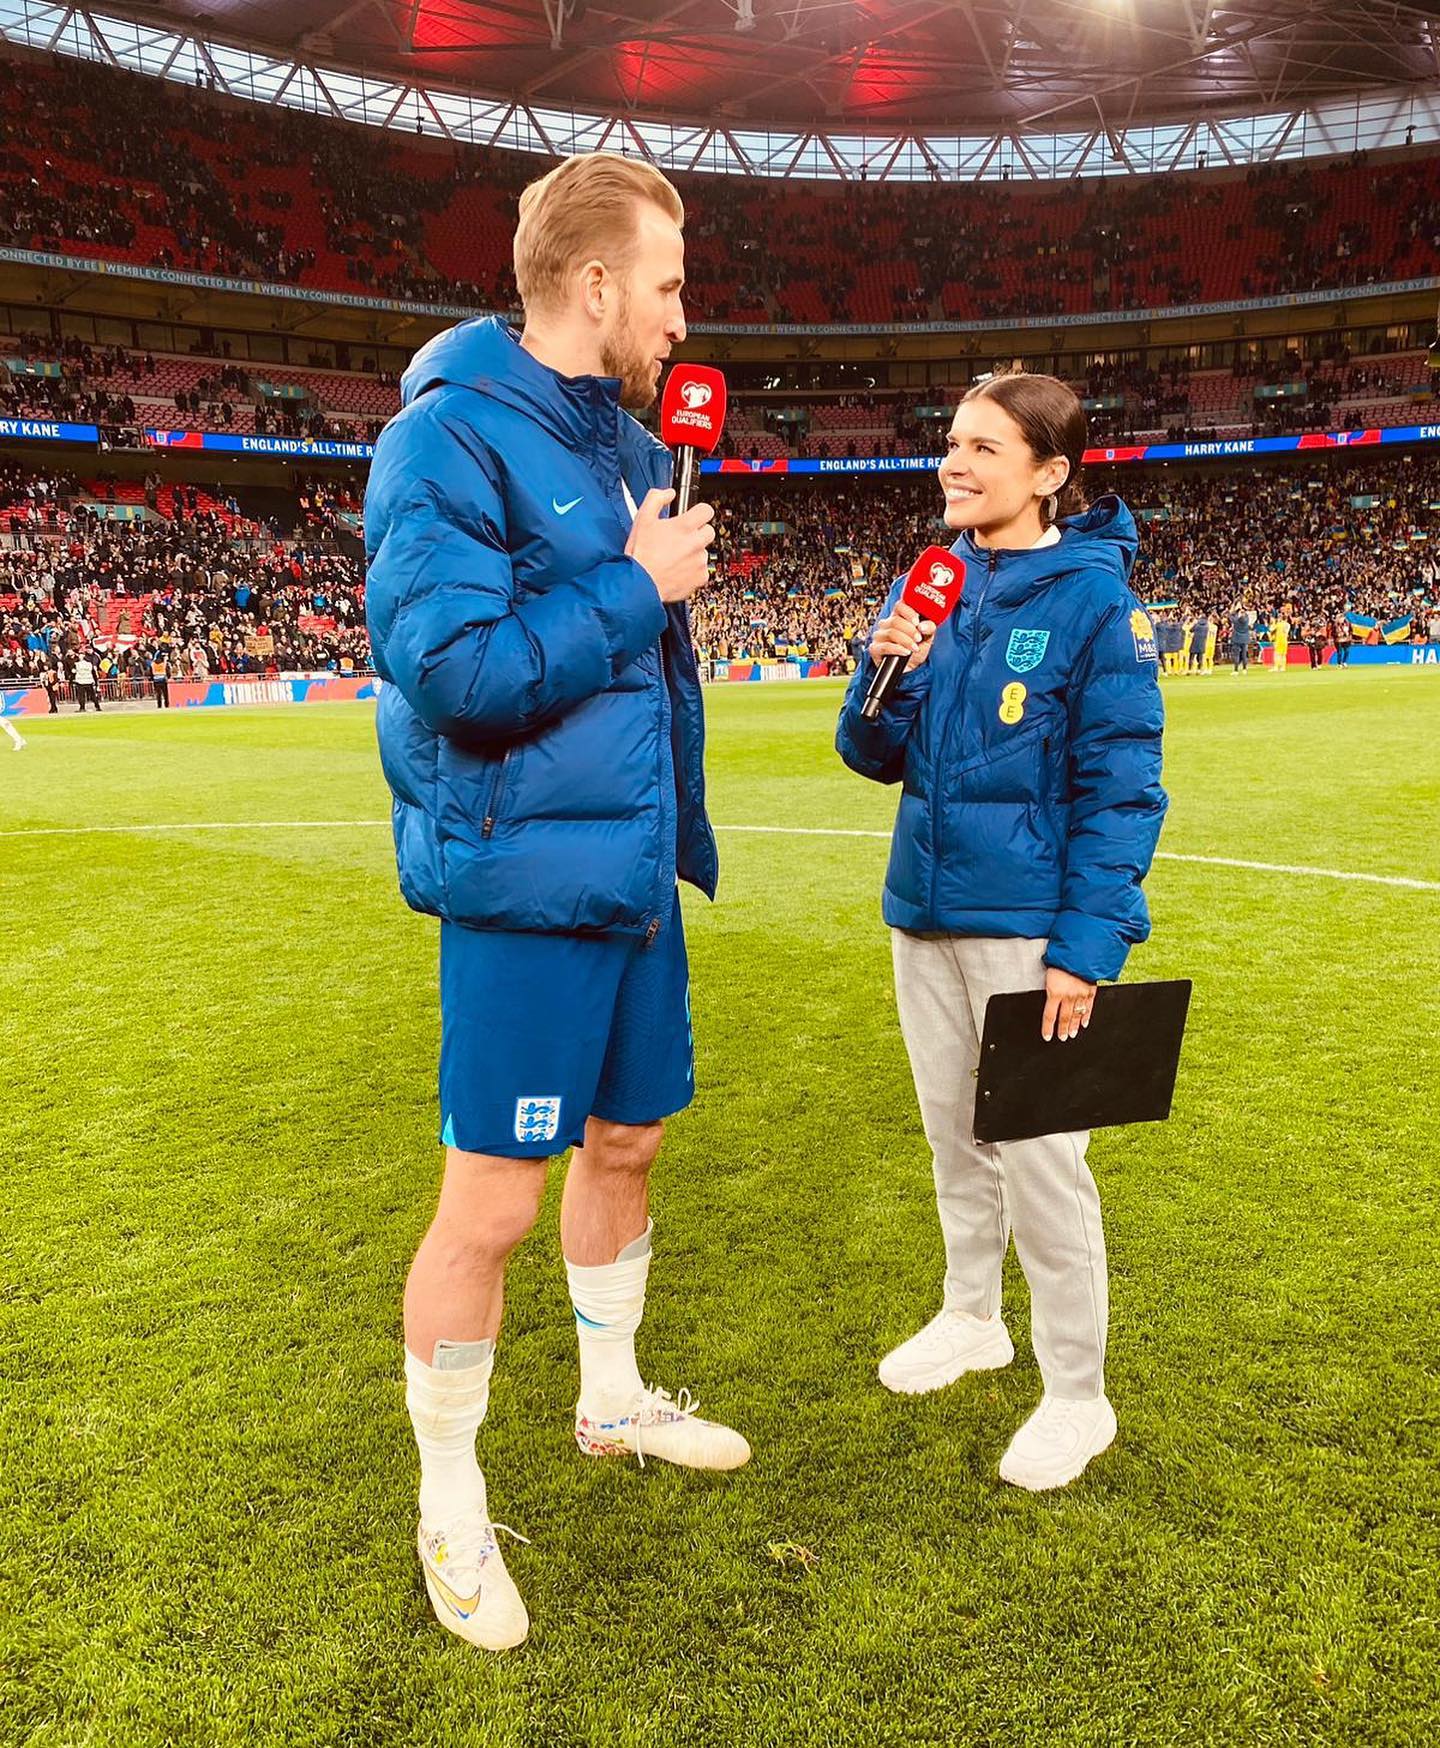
<point x="946" y="90"/>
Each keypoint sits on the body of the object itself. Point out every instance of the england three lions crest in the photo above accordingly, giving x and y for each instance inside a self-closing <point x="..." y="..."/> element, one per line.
<point x="537" y="1119"/>
<point x="1026" y="650"/>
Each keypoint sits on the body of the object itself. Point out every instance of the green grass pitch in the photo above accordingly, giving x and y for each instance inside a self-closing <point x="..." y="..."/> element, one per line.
<point x="219" y="1156"/>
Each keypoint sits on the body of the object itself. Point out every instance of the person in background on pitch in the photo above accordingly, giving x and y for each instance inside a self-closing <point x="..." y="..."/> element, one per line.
<point x="1026" y="734"/>
<point x="1242" y="622"/>
<point x="160" y="676"/>
<point x="1170" y="642"/>
<point x="83" y="679"/>
<point x="1280" y="639"/>
<point x="541" y="729"/>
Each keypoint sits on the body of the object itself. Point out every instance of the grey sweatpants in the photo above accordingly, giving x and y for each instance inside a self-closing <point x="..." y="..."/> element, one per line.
<point x="1041" y="1190"/>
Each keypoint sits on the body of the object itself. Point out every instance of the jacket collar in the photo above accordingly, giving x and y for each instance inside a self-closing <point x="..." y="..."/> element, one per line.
<point x="1100" y="538"/>
<point x="485" y="354"/>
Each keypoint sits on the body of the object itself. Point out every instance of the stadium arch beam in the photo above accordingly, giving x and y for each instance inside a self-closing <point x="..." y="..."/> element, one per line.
<point x="1402" y="114"/>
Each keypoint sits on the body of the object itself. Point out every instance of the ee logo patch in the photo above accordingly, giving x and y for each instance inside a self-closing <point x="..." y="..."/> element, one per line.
<point x="1012" y="703"/>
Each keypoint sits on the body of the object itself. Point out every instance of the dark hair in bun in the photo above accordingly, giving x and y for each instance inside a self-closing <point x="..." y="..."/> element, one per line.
<point x="1052" y="422"/>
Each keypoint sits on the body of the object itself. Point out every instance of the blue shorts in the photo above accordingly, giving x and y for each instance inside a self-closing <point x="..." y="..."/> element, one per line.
<point x="539" y="1032"/>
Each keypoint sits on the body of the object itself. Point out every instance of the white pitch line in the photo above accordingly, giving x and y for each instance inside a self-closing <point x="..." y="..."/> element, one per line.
<point x="197" y="825"/>
<point x="815" y="831"/>
<point x="1300" y="868"/>
<point x="805" y="831"/>
<point x="789" y="831"/>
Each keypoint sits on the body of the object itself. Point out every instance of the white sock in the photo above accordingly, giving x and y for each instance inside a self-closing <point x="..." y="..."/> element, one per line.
<point x="447" y="1402"/>
<point x="12" y="731"/>
<point x="609" y="1301"/>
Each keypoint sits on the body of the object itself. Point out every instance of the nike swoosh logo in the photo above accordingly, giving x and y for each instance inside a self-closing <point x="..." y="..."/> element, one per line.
<point x="565" y="509"/>
<point x="464" y="1606"/>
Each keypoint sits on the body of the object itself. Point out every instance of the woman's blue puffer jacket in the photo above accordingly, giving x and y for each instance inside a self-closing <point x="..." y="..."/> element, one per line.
<point x="1029" y="749"/>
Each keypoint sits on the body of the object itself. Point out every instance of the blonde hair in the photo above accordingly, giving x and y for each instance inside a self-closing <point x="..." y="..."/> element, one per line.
<point x="585" y="209"/>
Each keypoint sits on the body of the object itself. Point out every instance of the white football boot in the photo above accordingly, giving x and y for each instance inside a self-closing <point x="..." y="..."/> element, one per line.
<point x="658" y="1424"/>
<point x="469" y="1589"/>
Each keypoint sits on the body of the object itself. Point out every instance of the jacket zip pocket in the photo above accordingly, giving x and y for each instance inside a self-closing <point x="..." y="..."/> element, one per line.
<point x="491" y="812"/>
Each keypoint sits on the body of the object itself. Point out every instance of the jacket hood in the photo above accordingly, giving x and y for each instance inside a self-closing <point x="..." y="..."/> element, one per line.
<point x="485" y="354"/>
<point x="1101" y="538"/>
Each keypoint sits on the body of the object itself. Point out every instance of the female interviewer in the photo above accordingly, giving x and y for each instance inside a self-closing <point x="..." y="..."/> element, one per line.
<point x="1026" y="734"/>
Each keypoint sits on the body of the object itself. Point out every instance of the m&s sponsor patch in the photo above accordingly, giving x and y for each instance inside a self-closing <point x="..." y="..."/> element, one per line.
<point x="1144" y="634"/>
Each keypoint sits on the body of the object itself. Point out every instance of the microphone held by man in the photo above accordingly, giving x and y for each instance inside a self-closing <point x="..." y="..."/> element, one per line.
<point x="674" y="550"/>
<point x="692" y="417"/>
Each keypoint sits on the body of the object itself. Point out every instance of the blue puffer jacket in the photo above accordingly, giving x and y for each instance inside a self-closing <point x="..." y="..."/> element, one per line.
<point x="1029" y="747"/>
<point x="541" y="725"/>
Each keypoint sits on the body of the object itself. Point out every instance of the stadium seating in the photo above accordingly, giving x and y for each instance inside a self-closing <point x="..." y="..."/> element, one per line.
<point x="1379" y="390"/>
<point x="150" y="172"/>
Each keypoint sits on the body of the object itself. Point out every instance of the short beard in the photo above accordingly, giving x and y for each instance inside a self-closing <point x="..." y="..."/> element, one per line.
<point x="618" y="357"/>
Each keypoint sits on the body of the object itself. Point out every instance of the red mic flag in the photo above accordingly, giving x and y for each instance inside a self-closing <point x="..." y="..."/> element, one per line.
<point x="932" y="589"/>
<point x="934" y="584"/>
<point x="692" y="409"/>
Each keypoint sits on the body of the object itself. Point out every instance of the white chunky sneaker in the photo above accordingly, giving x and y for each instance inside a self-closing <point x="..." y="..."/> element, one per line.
<point x="469" y="1589"/>
<point x="1057" y="1442"/>
<point x="665" y="1426"/>
<point x="949" y="1345"/>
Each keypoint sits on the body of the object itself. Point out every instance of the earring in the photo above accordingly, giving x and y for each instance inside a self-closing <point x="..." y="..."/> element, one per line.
<point x="1052" y="506"/>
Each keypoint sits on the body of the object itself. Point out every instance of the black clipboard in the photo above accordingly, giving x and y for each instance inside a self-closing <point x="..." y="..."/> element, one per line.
<point x="1121" y="1069"/>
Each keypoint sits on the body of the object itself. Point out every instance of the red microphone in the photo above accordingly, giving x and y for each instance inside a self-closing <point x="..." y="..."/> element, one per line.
<point x="692" y="416"/>
<point x="932" y="589"/>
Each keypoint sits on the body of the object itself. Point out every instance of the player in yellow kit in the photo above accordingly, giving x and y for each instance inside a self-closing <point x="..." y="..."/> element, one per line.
<point x="1280" y="640"/>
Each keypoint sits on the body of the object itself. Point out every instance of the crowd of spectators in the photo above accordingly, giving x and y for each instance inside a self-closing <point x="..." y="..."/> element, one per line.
<point x="279" y="420"/>
<point x="1307" y="539"/>
<point x="801" y="565"/>
<point x="1318" y="541"/>
<point x="74" y="382"/>
<point x="118" y="169"/>
<point x="1131" y="402"/>
<point x="67" y="398"/>
<point x="185" y="178"/>
<point x="207" y="591"/>
<point x="330" y="504"/>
